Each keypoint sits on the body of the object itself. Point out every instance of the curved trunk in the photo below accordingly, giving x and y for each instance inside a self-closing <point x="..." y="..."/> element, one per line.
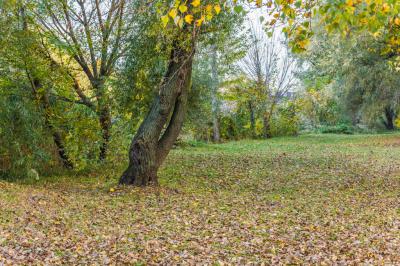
<point x="151" y="144"/>
<point x="61" y="151"/>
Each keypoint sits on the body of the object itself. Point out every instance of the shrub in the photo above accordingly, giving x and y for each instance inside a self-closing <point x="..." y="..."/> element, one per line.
<point x="337" y="129"/>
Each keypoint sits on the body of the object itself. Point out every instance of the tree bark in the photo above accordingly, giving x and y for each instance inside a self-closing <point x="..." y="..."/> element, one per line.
<point x="214" y="96"/>
<point x="61" y="149"/>
<point x="151" y="144"/>
<point x="389" y="118"/>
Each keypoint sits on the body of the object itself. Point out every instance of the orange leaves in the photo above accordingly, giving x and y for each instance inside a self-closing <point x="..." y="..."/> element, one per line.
<point x="397" y="21"/>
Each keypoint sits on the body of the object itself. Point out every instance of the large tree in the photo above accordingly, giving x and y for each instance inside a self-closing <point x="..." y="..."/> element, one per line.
<point x="162" y="125"/>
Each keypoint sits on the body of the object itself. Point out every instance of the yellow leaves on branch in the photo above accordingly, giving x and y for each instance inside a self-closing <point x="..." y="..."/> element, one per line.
<point x="165" y="20"/>
<point x="196" y="3"/>
<point x="385" y="8"/>
<point x="173" y="13"/>
<point x="189" y="19"/>
<point x="217" y="9"/>
<point x="397" y="21"/>
<point x="183" y="8"/>
<point x="200" y="21"/>
<point x="294" y="12"/>
<point x="186" y="11"/>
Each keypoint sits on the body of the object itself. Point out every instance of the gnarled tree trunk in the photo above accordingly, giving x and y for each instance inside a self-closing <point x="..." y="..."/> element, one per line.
<point x="152" y="143"/>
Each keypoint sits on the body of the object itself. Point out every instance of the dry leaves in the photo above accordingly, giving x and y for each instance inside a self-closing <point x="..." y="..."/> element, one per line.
<point x="307" y="200"/>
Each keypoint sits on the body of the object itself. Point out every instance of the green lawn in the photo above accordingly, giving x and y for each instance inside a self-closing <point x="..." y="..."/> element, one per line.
<point x="314" y="199"/>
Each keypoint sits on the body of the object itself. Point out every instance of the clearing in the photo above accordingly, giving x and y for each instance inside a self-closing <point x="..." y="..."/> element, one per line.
<point x="314" y="199"/>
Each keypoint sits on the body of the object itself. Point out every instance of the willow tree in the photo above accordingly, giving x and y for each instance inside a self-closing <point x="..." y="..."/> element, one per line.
<point x="92" y="34"/>
<point x="161" y="127"/>
<point x="159" y="130"/>
<point x="24" y="64"/>
<point x="186" y="22"/>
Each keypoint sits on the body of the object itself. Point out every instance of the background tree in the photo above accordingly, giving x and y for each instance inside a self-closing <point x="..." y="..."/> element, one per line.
<point x="214" y="67"/>
<point x="270" y="67"/>
<point x="93" y="34"/>
<point x="362" y="78"/>
<point x="26" y="82"/>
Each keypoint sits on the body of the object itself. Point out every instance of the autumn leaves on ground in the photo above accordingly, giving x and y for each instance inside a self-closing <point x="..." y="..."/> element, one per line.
<point x="308" y="200"/>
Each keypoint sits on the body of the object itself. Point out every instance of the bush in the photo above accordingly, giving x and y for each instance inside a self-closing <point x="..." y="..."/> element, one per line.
<point x="286" y="121"/>
<point x="23" y="140"/>
<point x="337" y="129"/>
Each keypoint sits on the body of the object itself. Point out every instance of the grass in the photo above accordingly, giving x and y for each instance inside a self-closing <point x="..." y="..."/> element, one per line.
<point x="314" y="199"/>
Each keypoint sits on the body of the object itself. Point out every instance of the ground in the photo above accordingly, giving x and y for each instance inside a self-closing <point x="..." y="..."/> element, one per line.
<point x="314" y="199"/>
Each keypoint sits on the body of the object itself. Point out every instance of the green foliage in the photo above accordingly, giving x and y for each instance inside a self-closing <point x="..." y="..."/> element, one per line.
<point x="286" y="122"/>
<point x="349" y="79"/>
<point x="83" y="137"/>
<point x="220" y="50"/>
<point x="337" y="129"/>
<point x="232" y="127"/>
<point x="22" y="135"/>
